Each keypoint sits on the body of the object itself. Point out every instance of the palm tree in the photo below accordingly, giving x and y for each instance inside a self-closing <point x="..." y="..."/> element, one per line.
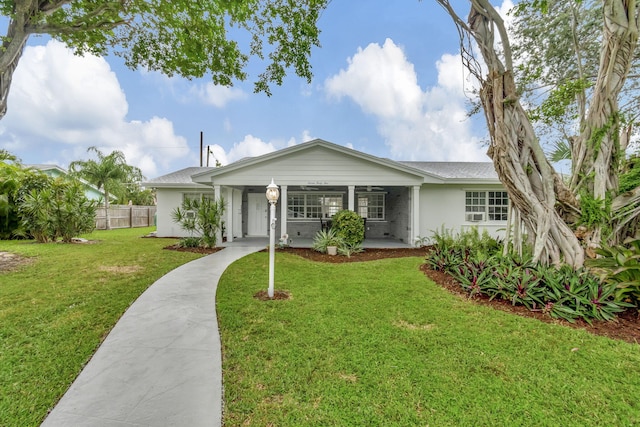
<point x="107" y="173"/>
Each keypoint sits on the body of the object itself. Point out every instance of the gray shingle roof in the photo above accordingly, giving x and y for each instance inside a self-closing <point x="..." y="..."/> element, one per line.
<point x="457" y="170"/>
<point x="183" y="176"/>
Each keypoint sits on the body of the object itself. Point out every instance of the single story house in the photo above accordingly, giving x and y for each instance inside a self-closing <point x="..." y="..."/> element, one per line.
<point x="399" y="200"/>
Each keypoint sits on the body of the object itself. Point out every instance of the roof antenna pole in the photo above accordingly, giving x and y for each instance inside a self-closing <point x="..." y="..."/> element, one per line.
<point x="208" y="156"/>
<point x="201" y="147"/>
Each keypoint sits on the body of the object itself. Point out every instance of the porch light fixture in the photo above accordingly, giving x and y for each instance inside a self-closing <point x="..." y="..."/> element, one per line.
<point x="273" y="192"/>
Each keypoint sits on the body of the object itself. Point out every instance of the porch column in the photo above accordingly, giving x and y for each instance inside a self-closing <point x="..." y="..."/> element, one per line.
<point x="352" y="197"/>
<point x="229" y="222"/>
<point x="217" y="195"/>
<point x="415" y="220"/>
<point x="283" y="210"/>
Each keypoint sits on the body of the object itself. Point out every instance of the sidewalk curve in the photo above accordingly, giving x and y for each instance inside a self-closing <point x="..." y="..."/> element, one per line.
<point x="161" y="364"/>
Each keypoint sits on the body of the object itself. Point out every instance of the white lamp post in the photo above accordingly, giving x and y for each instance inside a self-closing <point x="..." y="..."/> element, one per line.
<point x="272" y="196"/>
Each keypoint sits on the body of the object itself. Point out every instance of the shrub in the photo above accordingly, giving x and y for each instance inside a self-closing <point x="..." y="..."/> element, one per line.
<point x="620" y="266"/>
<point x="349" y="227"/>
<point x="201" y="217"/>
<point x="324" y="238"/>
<point x="560" y="292"/>
<point x="190" y="242"/>
<point x="348" y="250"/>
<point x="58" y="211"/>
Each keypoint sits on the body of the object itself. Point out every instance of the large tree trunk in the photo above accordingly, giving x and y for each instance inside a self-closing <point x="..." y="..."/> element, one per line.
<point x="525" y="172"/>
<point x="12" y="47"/>
<point x="603" y="140"/>
<point x="520" y="162"/>
<point x="538" y="194"/>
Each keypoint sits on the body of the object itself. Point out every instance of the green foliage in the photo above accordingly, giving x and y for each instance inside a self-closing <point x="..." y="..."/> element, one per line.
<point x="620" y="267"/>
<point x="557" y="47"/>
<point x="594" y="212"/>
<point x="190" y="242"/>
<point x="348" y="250"/>
<point x="349" y="227"/>
<point x="563" y="293"/>
<point x="15" y="182"/>
<point x="560" y="102"/>
<point x="612" y="126"/>
<point x="58" y="211"/>
<point x="630" y="178"/>
<point x="109" y="172"/>
<point x="183" y="37"/>
<point x="201" y="218"/>
<point x="561" y="151"/>
<point x="132" y="192"/>
<point x="325" y="238"/>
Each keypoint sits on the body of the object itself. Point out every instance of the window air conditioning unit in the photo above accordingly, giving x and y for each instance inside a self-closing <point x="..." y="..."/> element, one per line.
<point x="190" y="214"/>
<point x="474" y="216"/>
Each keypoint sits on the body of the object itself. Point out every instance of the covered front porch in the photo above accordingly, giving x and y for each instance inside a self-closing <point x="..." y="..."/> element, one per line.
<point x="302" y="211"/>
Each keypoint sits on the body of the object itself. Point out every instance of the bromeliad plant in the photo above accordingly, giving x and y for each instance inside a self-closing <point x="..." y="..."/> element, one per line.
<point x="620" y="266"/>
<point x="562" y="293"/>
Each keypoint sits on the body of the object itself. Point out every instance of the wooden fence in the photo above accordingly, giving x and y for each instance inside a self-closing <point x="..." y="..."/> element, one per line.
<point x="126" y="216"/>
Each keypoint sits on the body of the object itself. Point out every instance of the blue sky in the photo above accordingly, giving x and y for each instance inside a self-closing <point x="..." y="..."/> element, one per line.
<point x="387" y="81"/>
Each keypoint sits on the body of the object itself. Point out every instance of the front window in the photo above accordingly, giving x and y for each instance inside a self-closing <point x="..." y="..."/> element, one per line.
<point x="309" y="205"/>
<point x="486" y="205"/>
<point x="371" y="206"/>
<point x="498" y="205"/>
<point x="197" y="196"/>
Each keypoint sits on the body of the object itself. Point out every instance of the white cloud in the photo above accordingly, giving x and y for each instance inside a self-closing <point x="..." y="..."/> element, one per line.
<point x="381" y="81"/>
<point x="250" y="146"/>
<point x="503" y="11"/>
<point x="65" y="103"/>
<point x="218" y="96"/>
<point x="416" y="124"/>
<point x="307" y="136"/>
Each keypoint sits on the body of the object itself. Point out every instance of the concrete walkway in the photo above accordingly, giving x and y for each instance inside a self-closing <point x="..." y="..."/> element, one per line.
<point x="161" y="364"/>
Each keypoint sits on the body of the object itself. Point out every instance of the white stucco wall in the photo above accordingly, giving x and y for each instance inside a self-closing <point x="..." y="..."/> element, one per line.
<point x="168" y="200"/>
<point x="444" y="205"/>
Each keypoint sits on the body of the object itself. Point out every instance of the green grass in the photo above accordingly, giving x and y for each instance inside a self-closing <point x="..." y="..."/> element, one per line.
<point x="377" y="343"/>
<point x="55" y="311"/>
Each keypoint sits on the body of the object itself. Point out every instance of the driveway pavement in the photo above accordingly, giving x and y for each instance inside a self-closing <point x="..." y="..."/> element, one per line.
<point x="161" y="364"/>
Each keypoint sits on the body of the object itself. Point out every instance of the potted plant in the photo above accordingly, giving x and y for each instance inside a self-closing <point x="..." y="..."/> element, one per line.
<point x="332" y="250"/>
<point x="326" y="241"/>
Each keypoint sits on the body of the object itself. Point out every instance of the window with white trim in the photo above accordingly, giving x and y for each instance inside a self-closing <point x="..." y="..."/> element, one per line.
<point x="311" y="205"/>
<point x="371" y="206"/>
<point x="498" y="205"/>
<point x="197" y="196"/>
<point x="486" y="205"/>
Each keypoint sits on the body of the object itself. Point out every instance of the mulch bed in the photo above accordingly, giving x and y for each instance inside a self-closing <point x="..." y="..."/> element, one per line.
<point x="626" y="327"/>
<point x="205" y="251"/>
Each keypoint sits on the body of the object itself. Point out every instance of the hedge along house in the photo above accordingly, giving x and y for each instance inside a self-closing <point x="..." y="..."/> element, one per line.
<point x="403" y="201"/>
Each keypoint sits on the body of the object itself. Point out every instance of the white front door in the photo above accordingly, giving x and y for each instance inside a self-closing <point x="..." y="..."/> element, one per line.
<point x="258" y="214"/>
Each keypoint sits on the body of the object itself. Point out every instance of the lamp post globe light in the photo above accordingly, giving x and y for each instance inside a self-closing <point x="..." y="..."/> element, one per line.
<point x="273" y="192"/>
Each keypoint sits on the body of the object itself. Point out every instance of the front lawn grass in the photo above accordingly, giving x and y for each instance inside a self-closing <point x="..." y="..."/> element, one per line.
<point x="377" y="343"/>
<point x="55" y="311"/>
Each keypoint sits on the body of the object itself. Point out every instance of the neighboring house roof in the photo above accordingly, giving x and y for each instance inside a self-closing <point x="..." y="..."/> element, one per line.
<point x="180" y="178"/>
<point x="55" y="171"/>
<point x="49" y="168"/>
